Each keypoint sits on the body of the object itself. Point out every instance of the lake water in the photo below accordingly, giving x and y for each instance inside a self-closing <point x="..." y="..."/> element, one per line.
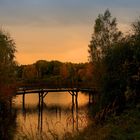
<point x="58" y="116"/>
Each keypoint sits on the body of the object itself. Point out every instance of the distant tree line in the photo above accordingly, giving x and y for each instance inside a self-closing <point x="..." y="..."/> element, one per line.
<point x="55" y="72"/>
<point x="116" y="62"/>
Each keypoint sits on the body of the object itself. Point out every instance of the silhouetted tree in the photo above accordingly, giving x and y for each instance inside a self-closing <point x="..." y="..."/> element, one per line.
<point x="107" y="58"/>
<point x="116" y="62"/>
<point x="105" y="35"/>
<point x="7" y="86"/>
<point x="7" y="62"/>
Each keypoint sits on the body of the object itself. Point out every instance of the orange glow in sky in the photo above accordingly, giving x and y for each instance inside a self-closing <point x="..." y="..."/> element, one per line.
<point x="59" y="29"/>
<point x="66" y="44"/>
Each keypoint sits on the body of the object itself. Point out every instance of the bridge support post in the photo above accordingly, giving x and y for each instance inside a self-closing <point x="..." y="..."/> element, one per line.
<point x="89" y="97"/>
<point x="74" y="109"/>
<point x="76" y="97"/>
<point x="39" y="99"/>
<point x="41" y="114"/>
<point x="40" y="110"/>
<point x="76" y="103"/>
<point x="74" y="94"/>
<point x="23" y="101"/>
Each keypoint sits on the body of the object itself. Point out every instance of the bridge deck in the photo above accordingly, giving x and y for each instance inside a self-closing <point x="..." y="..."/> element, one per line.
<point x="32" y="91"/>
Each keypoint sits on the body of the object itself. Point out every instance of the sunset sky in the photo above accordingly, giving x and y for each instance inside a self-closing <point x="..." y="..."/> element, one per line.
<point x="59" y="29"/>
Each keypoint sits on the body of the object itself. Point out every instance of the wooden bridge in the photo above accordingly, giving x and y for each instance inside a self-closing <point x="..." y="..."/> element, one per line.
<point x="42" y="92"/>
<point x="22" y="91"/>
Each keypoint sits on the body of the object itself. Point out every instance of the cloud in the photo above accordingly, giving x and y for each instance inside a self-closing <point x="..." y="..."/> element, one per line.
<point x="62" y="12"/>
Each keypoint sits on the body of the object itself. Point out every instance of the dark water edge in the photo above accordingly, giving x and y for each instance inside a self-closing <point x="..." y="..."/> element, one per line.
<point x="7" y="119"/>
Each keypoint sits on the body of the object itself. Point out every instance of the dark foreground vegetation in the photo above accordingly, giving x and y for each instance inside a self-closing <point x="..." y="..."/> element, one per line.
<point x="113" y="70"/>
<point x="116" y="62"/>
<point x="126" y="126"/>
<point x="7" y="86"/>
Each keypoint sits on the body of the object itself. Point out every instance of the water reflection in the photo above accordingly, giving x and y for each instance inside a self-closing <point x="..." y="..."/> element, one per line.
<point x="58" y="112"/>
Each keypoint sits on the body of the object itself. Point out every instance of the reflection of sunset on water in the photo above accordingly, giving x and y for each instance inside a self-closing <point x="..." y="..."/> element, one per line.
<point x="60" y="98"/>
<point x="58" y="112"/>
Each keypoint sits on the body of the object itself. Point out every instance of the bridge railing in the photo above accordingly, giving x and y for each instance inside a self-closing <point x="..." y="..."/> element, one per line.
<point x="55" y="85"/>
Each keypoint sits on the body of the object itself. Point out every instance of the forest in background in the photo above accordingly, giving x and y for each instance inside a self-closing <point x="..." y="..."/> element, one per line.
<point x="55" y="73"/>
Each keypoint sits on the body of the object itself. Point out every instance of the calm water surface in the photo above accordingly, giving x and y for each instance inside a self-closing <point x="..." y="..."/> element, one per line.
<point x="58" y="115"/>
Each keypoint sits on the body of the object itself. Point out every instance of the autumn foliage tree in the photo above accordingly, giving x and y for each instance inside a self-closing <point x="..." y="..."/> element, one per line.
<point x="7" y="62"/>
<point x="116" y="62"/>
<point x="105" y="36"/>
<point x="103" y="55"/>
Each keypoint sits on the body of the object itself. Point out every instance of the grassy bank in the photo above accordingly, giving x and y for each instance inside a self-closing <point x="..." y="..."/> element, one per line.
<point x="123" y="127"/>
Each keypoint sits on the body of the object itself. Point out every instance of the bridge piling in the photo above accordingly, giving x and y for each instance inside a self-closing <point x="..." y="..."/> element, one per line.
<point x="40" y="110"/>
<point x="41" y="114"/>
<point x="23" y="101"/>
<point x="74" y="110"/>
<point x="76" y="102"/>
<point x="76" y="96"/>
